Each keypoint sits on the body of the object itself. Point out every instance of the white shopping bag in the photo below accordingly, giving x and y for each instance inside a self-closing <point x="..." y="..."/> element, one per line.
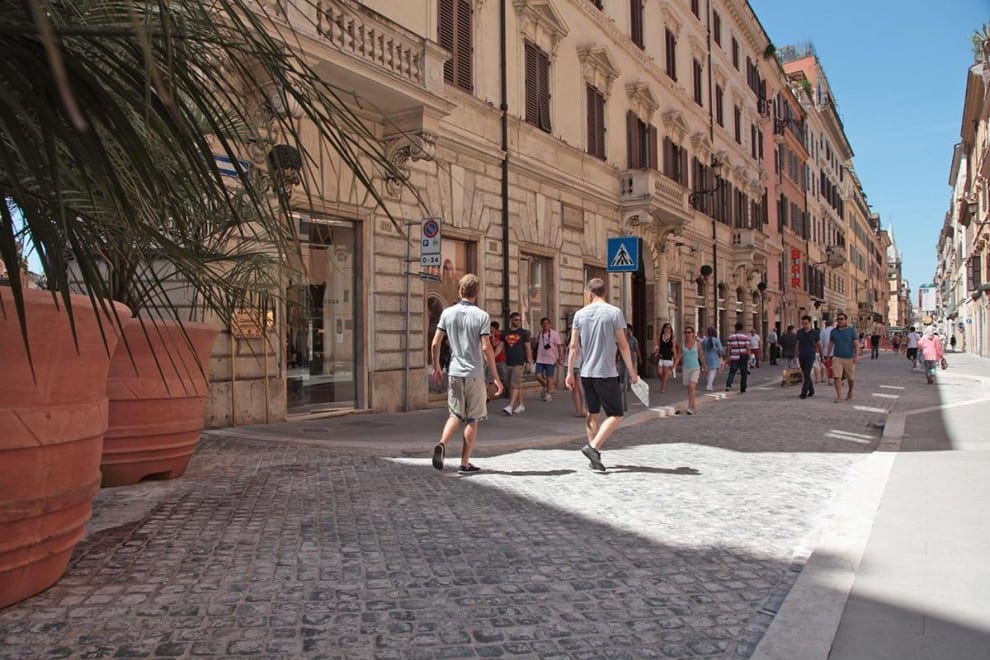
<point x="642" y="391"/>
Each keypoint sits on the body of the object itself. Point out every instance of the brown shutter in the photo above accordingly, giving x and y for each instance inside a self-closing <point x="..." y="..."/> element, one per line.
<point x="651" y="148"/>
<point x="532" y="85"/>
<point x="683" y="178"/>
<point x="590" y="109"/>
<point x="636" y="22"/>
<point x="668" y="158"/>
<point x="445" y="37"/>
<point x="463" y="46"/>
<point x="544" y="83"/>
<point x="632" y="143"/>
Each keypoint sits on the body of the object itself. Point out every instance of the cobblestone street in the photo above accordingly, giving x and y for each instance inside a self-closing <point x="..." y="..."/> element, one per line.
<point x="685" y="548"/>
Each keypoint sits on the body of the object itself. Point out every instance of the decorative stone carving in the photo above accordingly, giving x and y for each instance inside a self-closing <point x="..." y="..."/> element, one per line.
<point x="641" y="100"/>
<point x="673" y="121"/>
<point x="598" y="68"/>
<point x="671" y="20"/>
<point x="702" y="146"/>
<point x="402" y="149"/>
<point x="699" y="51"/>
<point x="541" y="23"/>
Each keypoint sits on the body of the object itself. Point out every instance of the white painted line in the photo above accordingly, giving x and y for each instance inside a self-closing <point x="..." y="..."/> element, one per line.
<point x="840" y="436"/>
<point x="850" y="434"/>
<point x="893" y="387"/>
<point x="886" y="396"/>
<point x="869" y="409"/>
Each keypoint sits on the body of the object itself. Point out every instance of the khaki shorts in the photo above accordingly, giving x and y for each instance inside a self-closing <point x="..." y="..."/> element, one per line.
<point x="691" y="375"/>
<point x="516" y="376"/>
<point x="845" y="366"/>
<point x="467" y="398"/>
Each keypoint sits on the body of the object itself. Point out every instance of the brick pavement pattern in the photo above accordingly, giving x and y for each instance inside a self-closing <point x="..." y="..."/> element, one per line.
<point x="684" y="549"/>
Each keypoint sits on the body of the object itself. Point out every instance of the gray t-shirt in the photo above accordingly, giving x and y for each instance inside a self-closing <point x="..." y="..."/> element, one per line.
<point x="597" y="324"/>
<point x="465" y="324"/>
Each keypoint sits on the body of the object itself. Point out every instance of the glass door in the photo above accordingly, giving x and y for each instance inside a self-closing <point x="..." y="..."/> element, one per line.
<point x="320" y="318"/>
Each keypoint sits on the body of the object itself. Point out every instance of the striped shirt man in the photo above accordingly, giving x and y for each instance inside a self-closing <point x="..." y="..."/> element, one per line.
<point x="738" y="344"/>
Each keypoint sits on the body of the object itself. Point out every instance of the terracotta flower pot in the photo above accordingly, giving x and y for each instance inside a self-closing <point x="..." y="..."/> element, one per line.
<point x="157" y="401"/>
<point x="51" y="436"/>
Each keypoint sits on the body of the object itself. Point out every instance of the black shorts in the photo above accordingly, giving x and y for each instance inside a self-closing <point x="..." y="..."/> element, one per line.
<point x="603" y="393"/>
<point x="912" y="353"/>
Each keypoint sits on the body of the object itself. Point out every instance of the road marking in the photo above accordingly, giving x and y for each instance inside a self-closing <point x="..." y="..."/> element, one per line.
<point x="893" y="387"/>
<point x="869" y="409"/>
<point x="886" y="396"/>
<point x="842" y="436"/>
<point x="849" y="435"/>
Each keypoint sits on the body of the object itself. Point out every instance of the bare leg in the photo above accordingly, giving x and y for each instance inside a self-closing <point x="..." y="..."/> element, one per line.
<point x="849" y="391"/>
<point x="591" y="423"/>
<point x="449" y="429"/>
<point x="605" y="429"/>
<point x="838" y="389"/>
<point x="470" y="433"/>
<point x="577" y="396"/>
<point x="691" y="388"/>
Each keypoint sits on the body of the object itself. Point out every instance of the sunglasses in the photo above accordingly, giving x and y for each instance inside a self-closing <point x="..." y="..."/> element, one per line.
<point x="689" y="332"/>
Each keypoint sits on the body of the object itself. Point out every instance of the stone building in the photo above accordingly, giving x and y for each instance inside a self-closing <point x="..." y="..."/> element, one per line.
<point x="534" y="130"/>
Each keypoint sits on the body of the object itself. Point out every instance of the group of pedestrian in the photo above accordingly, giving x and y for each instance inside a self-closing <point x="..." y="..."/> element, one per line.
<point x="598" y="335"/>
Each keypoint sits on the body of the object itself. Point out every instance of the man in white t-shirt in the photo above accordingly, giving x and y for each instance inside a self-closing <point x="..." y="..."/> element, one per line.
<point x="467" y="328"/>
<point x="599" y="328"/>
<point x="826" y="347"/>
<point x="912" y="347"/>
<point x="755" y="344"/>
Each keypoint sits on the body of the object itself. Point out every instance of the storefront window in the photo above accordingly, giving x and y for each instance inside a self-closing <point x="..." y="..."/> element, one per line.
<point x="674" y="305"/>
<point x="535" y="291"/>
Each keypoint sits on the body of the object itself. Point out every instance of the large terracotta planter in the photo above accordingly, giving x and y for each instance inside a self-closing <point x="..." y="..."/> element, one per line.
<point x="51" y="436"/>
<point x="157" y="398"/>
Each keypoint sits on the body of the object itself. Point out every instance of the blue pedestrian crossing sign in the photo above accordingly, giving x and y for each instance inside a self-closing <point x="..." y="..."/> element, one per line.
<point x="623" y="254"/>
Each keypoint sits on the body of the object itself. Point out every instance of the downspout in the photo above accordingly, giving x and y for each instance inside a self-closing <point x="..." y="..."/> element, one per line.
<point x="504" y="107"/>
<point x="711" y="137"/>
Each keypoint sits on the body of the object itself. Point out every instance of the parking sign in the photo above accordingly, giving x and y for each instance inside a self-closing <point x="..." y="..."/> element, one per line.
<point x="429" y="253"/>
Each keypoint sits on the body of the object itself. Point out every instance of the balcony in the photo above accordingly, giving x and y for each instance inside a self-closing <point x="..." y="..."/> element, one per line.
<point x="650" y="199"/>
<point x="391" y="69"/>
<point x="749" y="238"/>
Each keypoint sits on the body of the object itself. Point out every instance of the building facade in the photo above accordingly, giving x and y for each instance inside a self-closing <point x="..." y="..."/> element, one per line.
<point x="534" y="130"/>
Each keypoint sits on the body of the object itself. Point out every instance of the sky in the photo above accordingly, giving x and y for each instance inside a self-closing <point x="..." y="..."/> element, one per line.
<point x="897" y="69"/>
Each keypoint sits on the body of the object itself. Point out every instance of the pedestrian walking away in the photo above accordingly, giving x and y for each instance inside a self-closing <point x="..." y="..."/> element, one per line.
<point x="713" y="356"/>
<point x="599" y="329"/>
<point x="912" y="346"/>
<point x="665" y="354"/>
<point x="518" y="358"/>
<point x="691" y="366"/>
<point x="549" y="354"/>
<point x="952" y="342"/>
<point x="844" y="346"/>
<point x="788" y="349"/>
<point x="875" y="345"/>
<point x="773" y="346"/>
<point x="932" y="352"/>
<point x="755" y="346"/>
<point x="809" y="347"/>
<point x="738" y="348"/>
<point x="467" y="328"/>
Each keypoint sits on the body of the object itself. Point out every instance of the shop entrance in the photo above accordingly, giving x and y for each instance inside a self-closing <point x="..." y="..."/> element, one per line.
<point x="320" y="318"/>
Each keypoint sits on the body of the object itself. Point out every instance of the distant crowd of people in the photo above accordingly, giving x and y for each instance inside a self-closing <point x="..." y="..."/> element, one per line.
<point x="601" y="361"/>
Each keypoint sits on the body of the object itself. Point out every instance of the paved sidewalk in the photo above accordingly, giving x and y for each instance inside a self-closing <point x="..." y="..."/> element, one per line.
<point x="336" y="538"/>
<point x="902" y="571"/>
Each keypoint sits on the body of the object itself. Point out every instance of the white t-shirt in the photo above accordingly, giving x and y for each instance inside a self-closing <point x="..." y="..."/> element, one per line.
<point x="596" y="325"/>
<point x="826" y="349"/>
<point x="547" y="355"/>
<point x="754" y="341"/>
<point x="913" y="338"/>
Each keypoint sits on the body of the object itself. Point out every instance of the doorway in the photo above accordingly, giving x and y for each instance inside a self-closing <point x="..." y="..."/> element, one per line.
<point x="321" y="342"/>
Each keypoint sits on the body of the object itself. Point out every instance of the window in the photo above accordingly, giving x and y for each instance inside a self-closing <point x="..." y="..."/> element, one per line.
<point x="671" y="41"/>
<point x="636" y="22"/>
<point x="698" y="83"/>
<point x="719" y="115"/>
<point x="674" y="306"/>
<point x="717" y="28"/>
<point x="455" y="36"/>
<point x="537" y="87"/>
<point x="696" y="8"/>
<point x="675" y="161"/>
<point x="752" y="140"/>
<point x="641" y="143"/>
<point x="535" y="290"/>
<point x="596" y="122"/>
<point x="597" y="3"/>
<point x="735" y="53"/>
<point x="737" y="123"/>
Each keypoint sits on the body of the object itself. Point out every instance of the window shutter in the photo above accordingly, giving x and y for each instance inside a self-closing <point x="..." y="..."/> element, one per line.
<point x="464" y="56"/>
<point x="532" y="85"/>
<point x="544" y="83"/>
<point x="636" y="22"/>
<point x="683" y="174"/>
<point x="651" y="148"/>
<point x="446" y="37"/>
<point x="592" y="121"/>
<point x="632" y="143"/>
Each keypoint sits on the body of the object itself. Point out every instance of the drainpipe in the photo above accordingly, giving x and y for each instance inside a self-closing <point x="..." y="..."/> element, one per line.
<point x="711" y="137"/>
<point x="504" y="107"/>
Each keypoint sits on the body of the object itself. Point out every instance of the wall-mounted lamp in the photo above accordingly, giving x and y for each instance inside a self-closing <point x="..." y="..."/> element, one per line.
<point x="696" y="196"/>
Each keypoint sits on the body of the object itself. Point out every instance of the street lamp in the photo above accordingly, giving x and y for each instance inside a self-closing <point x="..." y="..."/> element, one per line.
<point x="696" y="196"/>
<point x="762" y="286"/>
<point x="693" y="199"/>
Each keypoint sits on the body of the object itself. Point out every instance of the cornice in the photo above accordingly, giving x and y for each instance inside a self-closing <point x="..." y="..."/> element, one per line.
<point x="541" y="14"/>
<point x="598" y="68"/>
<point x="643" y="102"/>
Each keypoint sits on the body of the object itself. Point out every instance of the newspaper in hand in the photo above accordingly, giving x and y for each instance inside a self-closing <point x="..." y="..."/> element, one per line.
<point x="642" y="391"/>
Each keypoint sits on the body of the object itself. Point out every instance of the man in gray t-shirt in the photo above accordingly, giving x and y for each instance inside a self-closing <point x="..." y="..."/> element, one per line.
<point x="468" y="331"/>
<point x="599" y="328"/>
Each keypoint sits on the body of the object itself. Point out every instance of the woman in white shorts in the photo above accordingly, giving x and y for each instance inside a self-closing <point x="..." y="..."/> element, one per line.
<point x="689" y="359"/>
<point x="665" y="354"/>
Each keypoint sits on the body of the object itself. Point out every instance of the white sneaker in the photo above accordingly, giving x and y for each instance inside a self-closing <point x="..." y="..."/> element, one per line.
<point x="549" y="398"/>
<point x="507" y="410"/>
<point x="519" y="409"/>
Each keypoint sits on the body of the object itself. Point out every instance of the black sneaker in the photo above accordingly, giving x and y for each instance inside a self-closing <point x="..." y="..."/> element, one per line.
<point x="438" y="453"/>
<point x="594" y="457"/>
<point x="468" y="469"/>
